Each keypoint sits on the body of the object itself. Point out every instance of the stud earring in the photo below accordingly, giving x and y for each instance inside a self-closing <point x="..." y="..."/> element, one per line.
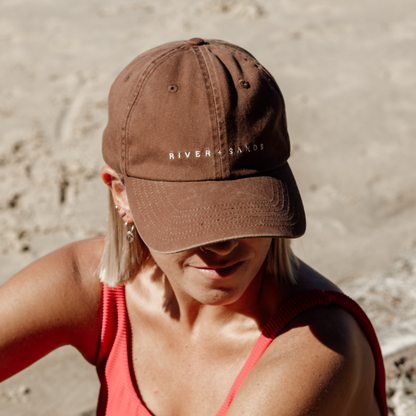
<point x="123" y="214"/>
<point x="117" y="207"/>
<point x="129" y="234"/>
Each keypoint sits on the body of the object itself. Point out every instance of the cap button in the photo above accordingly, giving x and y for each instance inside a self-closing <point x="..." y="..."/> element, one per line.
<point x="196" y="41"/>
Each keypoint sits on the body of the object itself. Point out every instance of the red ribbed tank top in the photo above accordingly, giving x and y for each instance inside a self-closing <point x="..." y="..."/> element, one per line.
<point x="118" y="395"/>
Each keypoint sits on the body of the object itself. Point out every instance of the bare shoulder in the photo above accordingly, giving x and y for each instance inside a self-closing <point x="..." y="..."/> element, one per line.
<point x="321" y="364"/>
<point x="72" y="267"/>
<point x="52" y="302"/>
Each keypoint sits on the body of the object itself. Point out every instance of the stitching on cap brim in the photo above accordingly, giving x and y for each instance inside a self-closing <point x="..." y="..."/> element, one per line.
<point x="174" y="216"/>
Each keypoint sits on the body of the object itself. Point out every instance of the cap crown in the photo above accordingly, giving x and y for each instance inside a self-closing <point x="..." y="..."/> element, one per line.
<point x="195" y="111"/>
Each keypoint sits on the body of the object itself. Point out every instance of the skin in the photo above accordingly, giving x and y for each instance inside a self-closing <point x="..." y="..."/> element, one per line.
<point x="194" y="319"/>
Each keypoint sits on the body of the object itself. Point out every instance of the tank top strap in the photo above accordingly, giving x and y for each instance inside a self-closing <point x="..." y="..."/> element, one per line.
<point x="112" y="363"/>
<point x="109" y="320"/>
<point x="290" y="310"/>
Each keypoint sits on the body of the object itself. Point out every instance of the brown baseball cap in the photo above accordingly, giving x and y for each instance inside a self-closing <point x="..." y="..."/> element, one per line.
<point x="198" y="128"/>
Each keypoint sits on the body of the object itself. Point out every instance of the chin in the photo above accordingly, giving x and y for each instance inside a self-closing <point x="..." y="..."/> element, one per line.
<point x="218" y="297"/>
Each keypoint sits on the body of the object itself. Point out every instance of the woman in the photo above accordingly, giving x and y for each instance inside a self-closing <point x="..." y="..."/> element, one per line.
<point x="205" y="310"/>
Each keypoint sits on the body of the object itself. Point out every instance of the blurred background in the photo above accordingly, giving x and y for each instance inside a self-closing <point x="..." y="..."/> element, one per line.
<point x="347" y="70"/>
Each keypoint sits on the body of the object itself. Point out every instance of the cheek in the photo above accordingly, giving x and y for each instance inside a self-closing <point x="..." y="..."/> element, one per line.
<point x="260" y="248"/>
<point x="179" y="276"/>
<point x="170" y="266"/>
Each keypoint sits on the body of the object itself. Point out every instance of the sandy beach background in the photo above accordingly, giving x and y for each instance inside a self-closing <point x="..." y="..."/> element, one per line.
<point x="348" y="72"/>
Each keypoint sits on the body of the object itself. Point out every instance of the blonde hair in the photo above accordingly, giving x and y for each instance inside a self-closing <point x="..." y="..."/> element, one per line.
<point x="280" y="261"/>
<point x="121" y="259"/>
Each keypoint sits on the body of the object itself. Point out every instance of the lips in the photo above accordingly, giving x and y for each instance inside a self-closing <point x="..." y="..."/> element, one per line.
<point x="219" y="272"/>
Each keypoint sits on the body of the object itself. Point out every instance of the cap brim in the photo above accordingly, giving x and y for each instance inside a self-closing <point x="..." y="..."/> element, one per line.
<point x="176" y="216"/>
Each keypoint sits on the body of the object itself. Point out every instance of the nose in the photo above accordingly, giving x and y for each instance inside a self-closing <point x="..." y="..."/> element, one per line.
<point x="223" y="248"/>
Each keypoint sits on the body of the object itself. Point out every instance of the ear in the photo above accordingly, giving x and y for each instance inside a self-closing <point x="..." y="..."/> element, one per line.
<point x="118" y="190"/>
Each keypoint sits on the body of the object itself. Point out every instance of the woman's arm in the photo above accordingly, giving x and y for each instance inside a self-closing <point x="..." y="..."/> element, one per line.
<point x="54" y="301"/>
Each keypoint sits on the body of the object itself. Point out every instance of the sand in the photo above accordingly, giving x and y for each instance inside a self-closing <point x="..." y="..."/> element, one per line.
<point x="348" y="73"/>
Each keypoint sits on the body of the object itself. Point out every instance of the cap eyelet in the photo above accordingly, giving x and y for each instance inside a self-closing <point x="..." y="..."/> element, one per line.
<point x="173" y="88"/>
<point x="244" y="83"/>
<point x="127" y="77"/>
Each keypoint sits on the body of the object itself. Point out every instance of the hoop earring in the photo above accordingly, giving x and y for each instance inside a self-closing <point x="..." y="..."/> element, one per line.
<point x="129" y="234"/>
<point x="203" y="250"/>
